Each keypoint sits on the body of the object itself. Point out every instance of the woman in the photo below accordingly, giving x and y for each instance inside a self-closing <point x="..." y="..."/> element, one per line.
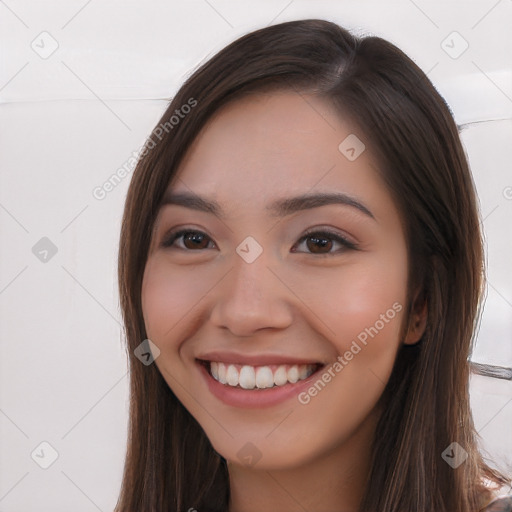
<point x="300" y="271"/>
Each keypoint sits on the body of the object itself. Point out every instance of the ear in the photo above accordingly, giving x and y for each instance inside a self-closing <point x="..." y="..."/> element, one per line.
<point x="418" y="320"/>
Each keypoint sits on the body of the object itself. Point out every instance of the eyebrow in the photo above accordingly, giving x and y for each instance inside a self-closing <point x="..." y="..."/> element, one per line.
<point x="279" y="208"/>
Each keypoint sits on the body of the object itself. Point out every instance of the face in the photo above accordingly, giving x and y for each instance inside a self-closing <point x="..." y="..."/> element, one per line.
<point x="278" y="321"/>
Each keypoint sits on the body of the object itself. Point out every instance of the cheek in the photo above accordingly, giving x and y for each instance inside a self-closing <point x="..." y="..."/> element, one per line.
<point x="359" y="301"/>
<point x="366" y="322"/>
<point x="168" y="295"/>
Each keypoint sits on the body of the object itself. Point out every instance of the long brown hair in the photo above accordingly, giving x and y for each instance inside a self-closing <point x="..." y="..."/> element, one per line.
<point x="170" y="464"/>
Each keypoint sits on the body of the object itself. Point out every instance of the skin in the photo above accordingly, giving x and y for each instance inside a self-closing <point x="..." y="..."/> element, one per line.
<point x="296" y="298"/>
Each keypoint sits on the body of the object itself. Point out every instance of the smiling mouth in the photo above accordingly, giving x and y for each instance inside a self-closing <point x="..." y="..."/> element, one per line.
<point x="259" y="377"/>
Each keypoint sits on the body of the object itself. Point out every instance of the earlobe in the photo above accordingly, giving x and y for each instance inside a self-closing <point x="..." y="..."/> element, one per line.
<point x="417" y="325"/>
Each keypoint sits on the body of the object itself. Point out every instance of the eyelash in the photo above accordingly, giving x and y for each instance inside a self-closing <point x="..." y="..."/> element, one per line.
<point x="321" y="233"/>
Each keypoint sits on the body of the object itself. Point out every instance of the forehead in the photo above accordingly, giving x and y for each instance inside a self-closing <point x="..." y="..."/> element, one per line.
<point x="257" y="148"/>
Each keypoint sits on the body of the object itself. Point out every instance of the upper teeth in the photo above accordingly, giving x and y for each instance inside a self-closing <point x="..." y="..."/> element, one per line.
<point x="250" y="377"/>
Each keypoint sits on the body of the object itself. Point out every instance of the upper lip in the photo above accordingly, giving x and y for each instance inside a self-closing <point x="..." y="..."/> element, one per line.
<point x="254" y="360"/>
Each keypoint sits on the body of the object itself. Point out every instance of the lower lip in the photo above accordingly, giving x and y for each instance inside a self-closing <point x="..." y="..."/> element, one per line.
<point x="254" y="398"/>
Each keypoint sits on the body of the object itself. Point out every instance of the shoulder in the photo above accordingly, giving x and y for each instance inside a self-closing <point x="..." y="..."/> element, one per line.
<point x="500" y="504"/>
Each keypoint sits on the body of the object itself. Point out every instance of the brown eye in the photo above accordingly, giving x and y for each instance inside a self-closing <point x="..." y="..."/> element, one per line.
<point x="195" y="240"/>
<point x="319" y="244"/>
<point x="190" y="240"/>
<point x="322" y="243"/>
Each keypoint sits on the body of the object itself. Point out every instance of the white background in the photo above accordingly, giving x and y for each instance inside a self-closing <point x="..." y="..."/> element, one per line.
<point x="70" y="120"/>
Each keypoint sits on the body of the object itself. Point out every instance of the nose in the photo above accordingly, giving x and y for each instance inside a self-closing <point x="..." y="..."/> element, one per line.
<point x="250" y="298"/>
